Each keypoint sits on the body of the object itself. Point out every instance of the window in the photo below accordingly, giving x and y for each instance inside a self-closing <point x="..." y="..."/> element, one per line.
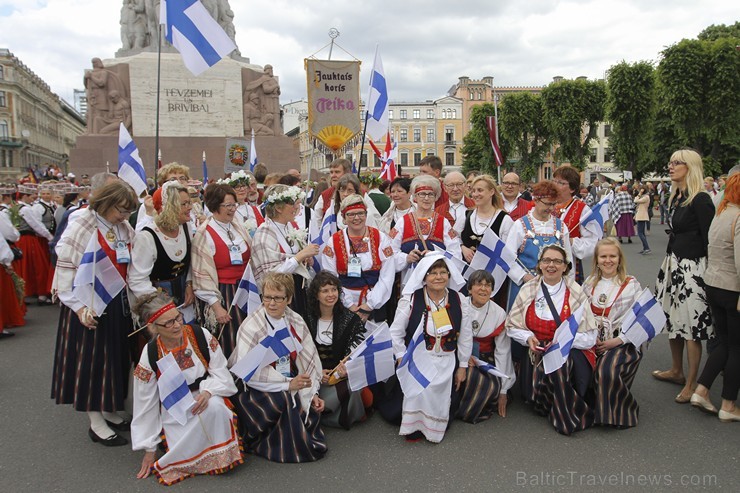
<point x="2" y="99"/>
<point x="430" y="153"/>
<point x="404" y="135"/>
<point x="417" y="114"/>
<point x="430" y="114"/>
<point x="449" y="159"/>
<point x="376" y="161"/>
<point x="607" y="155"/>
<point x="4" y="130"/>
<point x="470" y="93"/>
<point x="363" y="160"/>
<point x="592" y="157"/>
<point x="390" y="114"/>
<point x="404" y="159"/>
<point x="453" y="114"/>
<point x="417" y="135"/>
<point x="449" y="136"/>
<point x="2" y="72"/>
<point x="403" y="114"/>
<point x="430" y="135"/>
<point x="548" y="173"/>
<point x="607" y="130"/>
<point x="444" y="114"/>
<point x="417" y="158"/>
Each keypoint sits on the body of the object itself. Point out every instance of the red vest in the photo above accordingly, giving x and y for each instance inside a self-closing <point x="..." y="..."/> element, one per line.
<point x="543" y="330"/>
<point x="521" y="209"/>
<point x="436" y="233"/>
<point x="487" y="344"/>
<point x="227" y="273"/>
<point x="121" y="268"/>
<point x="573" y="217"/>
<point x="326" y="197"/>
<point x="340" y="249"/>
<point x="257" y="215"/>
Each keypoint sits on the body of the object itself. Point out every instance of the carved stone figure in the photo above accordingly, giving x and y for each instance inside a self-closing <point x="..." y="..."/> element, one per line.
<point x="99" y="82"/>
<point x="267" y="89"/>
<point x="152" y="20"/>
<point x="133" y="24"/>
<point x="119" y="111"/>
<point x="254" y="119"/>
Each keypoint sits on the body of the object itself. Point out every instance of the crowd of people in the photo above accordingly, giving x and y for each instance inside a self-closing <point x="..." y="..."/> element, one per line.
<point x="335" y="260"/>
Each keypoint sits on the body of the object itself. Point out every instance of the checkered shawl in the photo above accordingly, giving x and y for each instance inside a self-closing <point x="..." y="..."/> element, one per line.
<point x="621" y="203"/>
<point x="255" y="328"/>
<point x="266" y="254"/>
<point x="621" y="305"/>
<point x="518" y="312"/>
<point x="72" y="246"/>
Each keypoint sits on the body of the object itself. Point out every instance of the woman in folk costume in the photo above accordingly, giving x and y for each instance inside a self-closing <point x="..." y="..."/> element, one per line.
<point x="572" y="211"/>
<point x="12" y="308"/>
<point x="612" y="293"/>
<point x="533" y="232"/>
<point x="34" y="267"/>
<point x="400" y="190"/>
<point x="433" y="326"/>
<point x="279" y="408"/>
<point x="221" y="252"/>
<point x="207" y="442"/>
<point x="362" y="258"/>
<point x="92" y="359"/>
<point x="305" y="213"/>
<point x="336" y="331"/>
<point x="622" y="212"/>
<point x="484" y="393"/>
<point x="541" y="305"/>
<point x="249" y="215"/>
<point x="421" y="230"/>
<point x="281" y="246"/>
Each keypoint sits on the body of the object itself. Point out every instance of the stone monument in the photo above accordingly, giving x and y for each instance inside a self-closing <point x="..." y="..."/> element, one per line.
<point x="196" y="114"/>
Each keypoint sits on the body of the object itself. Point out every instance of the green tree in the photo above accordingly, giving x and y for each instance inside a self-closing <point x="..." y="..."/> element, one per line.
<point x="572" y="112"/>
<point x="630" y="108"/>
<point x="523" y="134"/>
<point x="476" y="150"/>
<point x="713" y="32"/>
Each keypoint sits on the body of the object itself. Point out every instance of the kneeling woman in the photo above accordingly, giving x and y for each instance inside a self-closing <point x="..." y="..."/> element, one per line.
<point x="433" y="314"/>
<point x="485" y="393"/>
<point x="335" y="331"/>
<point x="279" y="409"/>
<point x="541" y="305"/>
<point x="208" y="443"/>
<point x="612" y="293"/>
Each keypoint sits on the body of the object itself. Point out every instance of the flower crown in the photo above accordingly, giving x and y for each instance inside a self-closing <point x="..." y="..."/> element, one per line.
<point x="289" y="196"/>
<point x="236" y="178"/>
<point x="371" y="180"/>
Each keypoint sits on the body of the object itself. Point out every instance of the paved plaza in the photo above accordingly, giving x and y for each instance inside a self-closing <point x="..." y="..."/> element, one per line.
<point x="45" y="447"/>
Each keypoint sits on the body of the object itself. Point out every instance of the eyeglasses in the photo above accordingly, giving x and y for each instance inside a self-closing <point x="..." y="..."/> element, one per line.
<point x="352" y="215"/>
<point x="676" y="163"/>
<point x="125" y="213"/>
<point x="425" y="195"/>
<point x="547" y="204"/>
<point x="438" y="273"/>
<point x="171" y="323"/>
<point x="548" y="261"/>
<point x="276" y="299"/>
<point x="510" y="184"/>
<point x="229" y="206"/>
<point x="454" y="185"/>
<point x="562" y="183"/>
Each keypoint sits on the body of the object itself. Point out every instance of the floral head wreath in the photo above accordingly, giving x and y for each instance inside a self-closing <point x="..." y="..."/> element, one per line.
<point x="288" y="196"/>
<point x="236" y="179"/>
<point x="371" y="180"/>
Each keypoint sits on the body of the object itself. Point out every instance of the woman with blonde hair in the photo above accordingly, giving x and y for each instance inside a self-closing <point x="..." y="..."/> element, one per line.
<point x="680" y="287"/>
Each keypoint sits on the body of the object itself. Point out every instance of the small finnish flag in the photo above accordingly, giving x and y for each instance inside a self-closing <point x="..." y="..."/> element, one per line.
<point x="557" y="354"/>
<point x="372" y="361"/>
<point x="173" y="389"/>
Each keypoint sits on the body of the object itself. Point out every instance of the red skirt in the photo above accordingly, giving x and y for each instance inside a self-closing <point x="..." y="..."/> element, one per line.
<point x="12" y="310"/>
<point x="35" y="265"/>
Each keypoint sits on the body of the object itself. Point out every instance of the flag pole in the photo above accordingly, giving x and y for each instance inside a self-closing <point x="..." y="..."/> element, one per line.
<point x="364" y="127"/>
<point x="495" y="117"/>
<point x="159" y="80"/>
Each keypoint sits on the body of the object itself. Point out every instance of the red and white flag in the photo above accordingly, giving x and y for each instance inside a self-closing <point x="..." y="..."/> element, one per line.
<point x="492" y="135"/>
<point x="388" y="170"/>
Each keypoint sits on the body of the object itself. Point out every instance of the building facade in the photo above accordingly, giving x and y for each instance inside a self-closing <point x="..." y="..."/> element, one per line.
<point x="37" y="128"/>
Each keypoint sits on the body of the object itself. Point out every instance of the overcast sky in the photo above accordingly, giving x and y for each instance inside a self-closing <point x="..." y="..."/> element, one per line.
<point x="425" y="45"/>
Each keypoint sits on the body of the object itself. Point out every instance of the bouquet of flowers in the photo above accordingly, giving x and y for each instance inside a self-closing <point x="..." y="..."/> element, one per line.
<point x="297" y="237"/>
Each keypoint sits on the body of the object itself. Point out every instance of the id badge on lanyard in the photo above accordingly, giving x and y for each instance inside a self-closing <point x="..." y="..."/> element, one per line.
<point x="282" y="365"/>
<point x="122" y="254"/>
<point x="235" y="254"/>
<point x="442" y="322"/>
<point x="354" y="267"/>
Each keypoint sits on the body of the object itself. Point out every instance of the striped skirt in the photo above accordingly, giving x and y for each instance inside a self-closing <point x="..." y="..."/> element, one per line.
<point x="91" y="367"/>
<point x="554" y="395"/>
<point x="479" y="399"/>
<point x="34" y="267"/>
<point x="227" y="334"/>
<point x="273" y="427"/>
<point x="613" y="377"/>
<point x="342" y="406"/>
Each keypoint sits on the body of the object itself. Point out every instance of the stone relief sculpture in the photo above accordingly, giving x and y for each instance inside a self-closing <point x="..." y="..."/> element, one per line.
<point x="119" y="111"/>
<point x="133" y="24"/>
<point x="152" y="21"/>
<point x="267" y="91"/>
<point x="100" y="83"/>
<point x="255" y="119"/>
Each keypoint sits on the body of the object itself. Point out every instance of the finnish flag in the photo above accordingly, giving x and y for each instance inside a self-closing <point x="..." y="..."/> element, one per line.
<point x="130" y="166"/>
<point x="97" y="281"/>
<point x="557" y="354"/>
<point x="493" y="256"/>
<point x="417" y="370"/>
<point x="247" y="294"/>
<point x="328" y="228"/>
<point x="275" y="345"/>
<point x="173" y="389"/>
<point x="644" y="320"/>
<point x="372" y="361"/>
<point x="461" y="264"/>
<point x="252" y="154"/>
<point x="599" y="213"/>
<point x="489" y="368"/>
<point x="198" y="37"/>
<point x="377" y="101"/>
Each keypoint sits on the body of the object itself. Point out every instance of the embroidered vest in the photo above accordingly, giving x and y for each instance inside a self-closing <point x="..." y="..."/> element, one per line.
<point x="370" y="276"/>
<point x="166" y="269"/>
<point x="411" y="240"/>
<point x="419" y="308"/>
<point x="573" y="217"/>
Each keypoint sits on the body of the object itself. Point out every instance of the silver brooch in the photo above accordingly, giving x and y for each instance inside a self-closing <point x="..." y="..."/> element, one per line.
<point x="476" y="325"/>
<point x="187" y="352"/>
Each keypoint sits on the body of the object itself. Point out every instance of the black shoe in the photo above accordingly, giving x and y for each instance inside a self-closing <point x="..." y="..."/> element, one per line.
<point x="122" y="426"/>
<point x="629" y="240"/>
<point x="4" y="335"/>
<point x="113" y="441"/>
<point x="414" y="437"/>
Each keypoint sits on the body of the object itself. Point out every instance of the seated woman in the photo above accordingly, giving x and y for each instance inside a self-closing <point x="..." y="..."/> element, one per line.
<point x="541" y="305"/>
<point x="612" y="293"/>
<point x="208" y="442"/>
<point x="335" y="331"/>
<point x="485" y="393"/>
<point x="433" y="310"/>
<point x="279" y="409"/>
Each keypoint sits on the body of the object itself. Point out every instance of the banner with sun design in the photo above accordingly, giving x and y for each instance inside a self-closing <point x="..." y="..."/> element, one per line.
<point x="334" y="120"/>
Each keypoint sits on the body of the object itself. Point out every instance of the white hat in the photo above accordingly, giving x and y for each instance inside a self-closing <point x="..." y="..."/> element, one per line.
<point x="416" y="281"/>
<point x="28" y="188"/>
<point x="70" y="175"/>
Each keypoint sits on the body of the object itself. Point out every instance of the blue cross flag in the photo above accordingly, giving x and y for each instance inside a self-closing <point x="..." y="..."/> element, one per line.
<point x="275" y="345"/>
<point x="130" y="166"/>
<point x="372" y="361"/>
<point x="493" y="256"/>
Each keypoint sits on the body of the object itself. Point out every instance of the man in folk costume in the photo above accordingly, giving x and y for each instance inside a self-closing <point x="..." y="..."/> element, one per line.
<point x="573" y="211"/>
<point x="514" y="204"/>
<point x="458" y="204"/>
<point x="433" y="315"/>
<point x="34" y="267"/>
<point x="362" y="258"/>
<point x="337" y="169"/>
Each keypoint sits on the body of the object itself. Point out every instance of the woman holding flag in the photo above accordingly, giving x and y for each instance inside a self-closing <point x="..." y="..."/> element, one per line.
<point x="201" y="439"/>
<point x="221" y="252"/>
<point x="92" y="359"/>
<point x="278" y="405"/>
<point x="540" y="308"/>
<point x="432" y="342"/>
<point x="612" y="293"/>
<point x="336" y="331"/>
